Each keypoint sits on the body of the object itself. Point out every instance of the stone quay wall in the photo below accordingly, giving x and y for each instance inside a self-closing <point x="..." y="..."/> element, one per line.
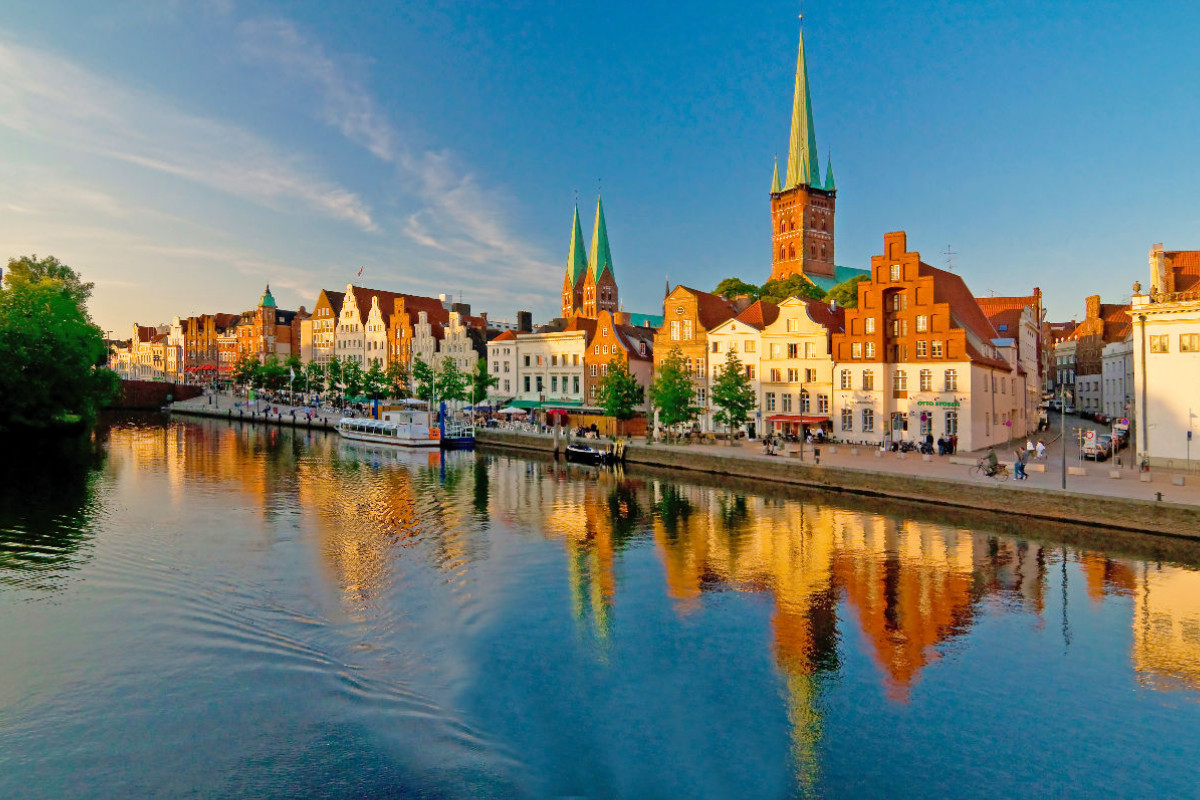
<point x="152" y="395"/>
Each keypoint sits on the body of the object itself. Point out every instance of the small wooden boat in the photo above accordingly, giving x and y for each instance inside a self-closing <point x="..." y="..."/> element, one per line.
<point x="585" y="454"/>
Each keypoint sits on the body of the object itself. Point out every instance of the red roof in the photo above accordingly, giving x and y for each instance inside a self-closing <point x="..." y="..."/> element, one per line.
<point x="759" y="315"/>
<point x="712" y="309"/>
<point x="632" y="337"/>
<point x="1185" y="264"/>
<point x="964" y="308"/>
<point x="1006" y="321"/>
<point x="832" y="318"/>
<point x="507" y="336"/>
<point x="994" y="305"/>
<point x="146" y="333"/>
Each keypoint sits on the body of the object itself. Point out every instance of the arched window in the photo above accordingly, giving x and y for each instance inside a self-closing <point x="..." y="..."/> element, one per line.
<point x="792" y="251"/>
<point x="812" y="250"/>
<point x="782" y="225"/>
<point x="822" y="251"/>
<point x="782" y="253"/>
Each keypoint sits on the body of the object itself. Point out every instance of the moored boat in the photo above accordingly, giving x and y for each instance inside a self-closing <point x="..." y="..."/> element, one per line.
<point x="406" y="426"/>
<point x="585" y="454"/>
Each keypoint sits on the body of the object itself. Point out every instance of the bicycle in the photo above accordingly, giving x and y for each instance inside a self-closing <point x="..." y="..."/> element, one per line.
<point x="981" y="469"/>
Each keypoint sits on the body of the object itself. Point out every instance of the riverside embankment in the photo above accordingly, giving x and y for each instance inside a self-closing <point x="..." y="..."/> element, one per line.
<point x="1125" y="503"/>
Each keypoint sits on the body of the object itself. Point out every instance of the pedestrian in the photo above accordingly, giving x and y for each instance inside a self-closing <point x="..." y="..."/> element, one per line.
<point x="953" y="443"/>
<point x="1019" y="465"/>
<point x="1041" y="449"/>
<point x="1029" y="445"/>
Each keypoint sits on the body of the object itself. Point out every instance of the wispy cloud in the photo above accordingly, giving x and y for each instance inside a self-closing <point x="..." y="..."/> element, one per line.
<point x="48" y="98"/>
<point x="459" y="217"/>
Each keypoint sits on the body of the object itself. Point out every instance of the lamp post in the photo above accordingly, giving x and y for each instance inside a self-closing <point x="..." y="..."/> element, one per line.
<point x="1062" y="432"/>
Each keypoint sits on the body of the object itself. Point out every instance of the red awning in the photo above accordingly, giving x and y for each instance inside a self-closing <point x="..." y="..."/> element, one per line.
<point x="798" y="418"/>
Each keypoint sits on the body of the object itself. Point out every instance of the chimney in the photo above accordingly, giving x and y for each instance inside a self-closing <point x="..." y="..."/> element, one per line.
<point x="524" y="322"/>
<point x="1093" y="307"/>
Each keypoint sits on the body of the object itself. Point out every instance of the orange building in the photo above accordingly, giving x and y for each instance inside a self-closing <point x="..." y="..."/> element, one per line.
<point x="688" y="316"/>
<point x="614" y="341"/>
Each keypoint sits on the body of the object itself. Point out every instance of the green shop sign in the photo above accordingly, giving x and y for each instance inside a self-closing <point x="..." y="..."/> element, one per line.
<point x="945" y="403"/>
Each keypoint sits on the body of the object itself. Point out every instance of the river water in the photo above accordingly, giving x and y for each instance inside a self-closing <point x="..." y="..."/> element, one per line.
<point x="206" y="610"/>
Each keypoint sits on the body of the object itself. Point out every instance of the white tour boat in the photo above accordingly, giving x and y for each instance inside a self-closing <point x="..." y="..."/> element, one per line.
<point x="407" y="426"/>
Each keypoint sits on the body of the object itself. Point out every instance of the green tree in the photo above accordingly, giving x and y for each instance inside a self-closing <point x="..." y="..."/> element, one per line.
<point x="375" y="382"/>
<point x="397" y="380"/>
<point x="333" y="374"/>
<point x="732" y="393"/>
<point x="27" y="270"/>
<point x="451" y="382"/>
<point x="423" y="377"/>
<point x="481" y="381"/>
<point x="352" y="378"/>
<point x="792" y="286"/>
<point x="294" y="367"/>
<point x="246" y="371"/>
<point x="672" y="392"/>
<point x="845" y="294"/>
<point x="736" y="287"/>
<point x="51" y="351"/>
<point x="273" y="374"/>
<point x="314" y="377"/>
<point x="620" y="394"/>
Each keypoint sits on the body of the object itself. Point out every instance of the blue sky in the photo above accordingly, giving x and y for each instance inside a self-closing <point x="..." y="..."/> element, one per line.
<point x="182" y="154"/>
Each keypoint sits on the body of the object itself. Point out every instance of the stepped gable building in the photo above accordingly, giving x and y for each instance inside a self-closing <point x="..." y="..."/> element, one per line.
<point x="614" y="341"/>
<point x="688" y="316"/>
<point x="919" y="357"/>
<point x="268" y="330"/>
<point x="589" y="284"/>
<point x="1103" y="324"/>
<point x="802" y="208"/>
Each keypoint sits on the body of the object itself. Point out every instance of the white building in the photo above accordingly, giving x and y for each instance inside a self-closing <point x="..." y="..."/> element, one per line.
<point x="1166" y="352"/>
<point x="742" y="336"/>
<point x="1117" y="379"/>
<point x="547" y="369"/>
<point x="458" y="344"/>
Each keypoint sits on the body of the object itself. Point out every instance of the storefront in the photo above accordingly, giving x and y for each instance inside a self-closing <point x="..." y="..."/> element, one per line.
<point x="797" y="425"/>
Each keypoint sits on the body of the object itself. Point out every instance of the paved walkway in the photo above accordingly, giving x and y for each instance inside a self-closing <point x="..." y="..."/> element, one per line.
<point x="221" y="404"/>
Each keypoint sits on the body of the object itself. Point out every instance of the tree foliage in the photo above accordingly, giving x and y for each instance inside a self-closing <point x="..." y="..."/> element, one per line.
<point x="314" y="377"/>
<point x="423" y="378"/>
<point x="27" y="270"/>
<point x="776" y="291"/>
<point x="396" y="376"/>
<point x="451" y="382"/>
<point x="352" y="378"/>
<point x="246" y="371"/>
<point x="672" y="392"/>
<point x="273" y="374"/>
<point x="732" y="393"/>
<point x="736" y="287"/>
<point x="51" y="350"/>
<point x="375" y="383"/>
<point x="619" y="392"/>
<point x="481" y="381"/>
<point x="845" y="294"/>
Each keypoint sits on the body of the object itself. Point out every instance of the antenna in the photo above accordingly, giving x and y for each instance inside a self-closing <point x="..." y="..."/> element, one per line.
<point x="950" y="254"/>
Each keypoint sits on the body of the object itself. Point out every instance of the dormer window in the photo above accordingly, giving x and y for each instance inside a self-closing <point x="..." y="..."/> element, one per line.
<point x="895" y="272"/>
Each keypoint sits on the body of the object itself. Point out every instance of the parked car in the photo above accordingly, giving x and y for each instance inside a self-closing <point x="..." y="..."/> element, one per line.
<point x="1056" y="405"/>
<point x="1101" y="418"/>
<point x="1069" y="409"/>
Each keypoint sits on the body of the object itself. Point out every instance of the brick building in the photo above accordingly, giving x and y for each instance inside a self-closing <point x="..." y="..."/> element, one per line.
<point x="589" y="283"/>
<point x="615" y="341"/>
<point x="688" y="316"/>
<point x="1103" y="324"/>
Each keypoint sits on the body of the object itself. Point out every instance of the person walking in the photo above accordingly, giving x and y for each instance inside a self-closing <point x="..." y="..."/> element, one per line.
<point x="1041" y="450"/>
<point x="1019" y="465"/>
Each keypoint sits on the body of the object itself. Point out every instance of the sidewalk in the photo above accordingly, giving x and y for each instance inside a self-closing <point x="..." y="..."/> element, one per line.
<point x="221" y="406"/>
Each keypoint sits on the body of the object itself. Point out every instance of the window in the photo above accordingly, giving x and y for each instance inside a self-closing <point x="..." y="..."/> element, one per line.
<point x="575" y="381"/>
<point x="700" y="368"/>
<point x="1158" y="344"/>
<point x="810" y="350"/>
<point x="822" y="404"/>
<point x="847" y="419"/>
<point x="541" y="386"/>
<point x="805" y="407"/>
<point x="527" y="361"/>
<point x="793" y="350"/>
<point x="856" y="350"/>
<point x="604" y="349"/>
<point x="786" y="403"/>
<point x="793" y="375"/>
<point x="869" y="325"/>
<point x="593" y="370"/>
<point x="900" y="381"/>
<point x="507" y="384"/>
<point x="926" y="380"/>
<point x="687" y="329"/>
<point x="868" y="380"/>
<point x="869" y="351"/>
<point x="846" y="379"/>
<point x="895" y="272"/>
<point x="1189" y="342"/>
<point x="554" y="360"/>
<point x="793" y="325"/>
<point x="770" y="400"/>
<point x="716" y="347"/>
<point x="604" y="330"/>
<point x="749" y="346"/>
<point x="527" y="383"/>
<point x="868" y="420"/>
<point x="495" y="366"/>
<point x="922" y="348"/>
<point x="674" y="330"/>
<point x="951" y="381"/>
<point x="554" y="383"/>
<point x="935" y="349"/>
<point x="750" y="371"/>
<point x="922" y="323"/>
<point x="810" y="375"/>
<point x="775" y="376"/>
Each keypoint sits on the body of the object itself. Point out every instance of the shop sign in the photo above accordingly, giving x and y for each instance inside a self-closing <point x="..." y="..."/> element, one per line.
<point x="940" y="403"/>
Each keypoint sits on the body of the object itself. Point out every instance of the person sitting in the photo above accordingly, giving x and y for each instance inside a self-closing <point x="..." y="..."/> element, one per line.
<point x="989" y="462"/>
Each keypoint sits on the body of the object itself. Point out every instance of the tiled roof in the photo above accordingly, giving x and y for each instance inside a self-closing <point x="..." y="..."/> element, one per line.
<point x="336" y="299"/>
<point x="832" y="318"/>
<point x="712" y="309"/>
<point x="964" y="308"/>
<point x="146" y="333"/>
<point x="1006" y="321"/>
<point x="979" y="358"/>
<point x="578" y="323"/>
<point x="1186" y="266"/>
<point x="631" y="336"/>
<point x="1117" y="322"/>
<point x="759" y="315"/>
<point x="507" y="336"/>
<point x="994" y="305"/>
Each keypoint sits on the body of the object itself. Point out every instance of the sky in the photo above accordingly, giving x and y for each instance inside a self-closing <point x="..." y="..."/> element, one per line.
<point x="184" y="154"/>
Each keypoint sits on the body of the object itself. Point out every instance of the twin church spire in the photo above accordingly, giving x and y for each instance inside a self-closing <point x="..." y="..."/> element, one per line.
<point x="589" y="285"/>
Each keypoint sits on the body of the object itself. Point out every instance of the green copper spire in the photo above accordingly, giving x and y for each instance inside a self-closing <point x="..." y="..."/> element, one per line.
<point x="268" y="299"/>
<point x="577" y="262"/>
<point x="829" y="184"/>
<point x="775" y="181"/>
<point x="803" y="166"/>
<point x="600" y="259"/>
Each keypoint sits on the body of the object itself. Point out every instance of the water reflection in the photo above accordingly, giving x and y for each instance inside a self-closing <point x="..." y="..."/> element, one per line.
<point x="48" y="502"/>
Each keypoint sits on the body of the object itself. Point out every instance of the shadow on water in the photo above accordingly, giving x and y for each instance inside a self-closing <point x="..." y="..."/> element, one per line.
<point x="48" y="502"/>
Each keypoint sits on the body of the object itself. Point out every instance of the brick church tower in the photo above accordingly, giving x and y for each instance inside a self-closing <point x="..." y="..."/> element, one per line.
<point x="802" y="209"/>
<point x="589" y="285"/>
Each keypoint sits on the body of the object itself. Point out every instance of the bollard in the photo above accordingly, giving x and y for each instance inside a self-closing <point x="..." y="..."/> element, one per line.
<point x="1158" y="495"/>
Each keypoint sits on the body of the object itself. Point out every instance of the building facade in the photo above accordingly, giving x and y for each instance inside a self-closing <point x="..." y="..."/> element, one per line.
<point x="616" y="342"/>
<point x="797" y="367"/>
<point x="688" y="316"/>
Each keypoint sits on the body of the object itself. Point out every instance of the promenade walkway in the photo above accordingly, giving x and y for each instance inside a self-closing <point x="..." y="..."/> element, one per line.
<point x="239" y="408"/>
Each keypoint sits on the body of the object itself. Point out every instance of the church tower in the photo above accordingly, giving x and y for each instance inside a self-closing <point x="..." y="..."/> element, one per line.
<point x="802" y="208"/>
<point x="600" y="285"/>
<point x="577" y="268"/>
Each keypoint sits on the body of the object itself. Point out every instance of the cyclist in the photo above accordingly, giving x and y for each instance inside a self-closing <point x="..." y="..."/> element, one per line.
<point x="989" y="462"/>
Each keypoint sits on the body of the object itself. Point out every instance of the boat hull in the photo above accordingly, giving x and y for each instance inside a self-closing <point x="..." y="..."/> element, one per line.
<point x="395" y="441"/>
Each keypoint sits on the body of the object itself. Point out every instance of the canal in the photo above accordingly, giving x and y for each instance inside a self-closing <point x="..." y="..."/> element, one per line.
<point x="213" y="610"/>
